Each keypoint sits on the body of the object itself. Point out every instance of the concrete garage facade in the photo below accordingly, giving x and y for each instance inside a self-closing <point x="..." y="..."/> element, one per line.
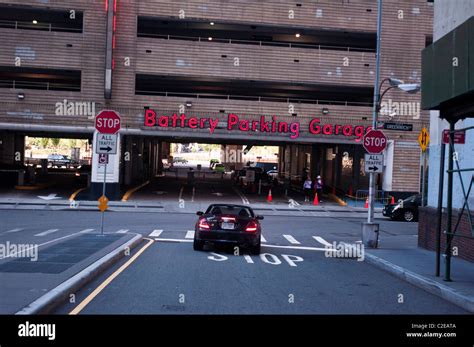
<point x="294" y="74"/>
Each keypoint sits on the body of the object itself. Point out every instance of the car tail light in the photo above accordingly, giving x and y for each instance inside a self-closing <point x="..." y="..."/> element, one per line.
<point x="203" y="224"/>
<point x="251" y="227"/>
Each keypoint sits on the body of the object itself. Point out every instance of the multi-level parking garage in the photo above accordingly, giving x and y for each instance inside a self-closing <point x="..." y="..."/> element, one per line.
<point x="234" y="73"/>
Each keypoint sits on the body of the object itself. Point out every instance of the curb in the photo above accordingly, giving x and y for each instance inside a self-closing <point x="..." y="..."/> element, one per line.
<point x="59" y="294"/>
<point x="422" y="282"/>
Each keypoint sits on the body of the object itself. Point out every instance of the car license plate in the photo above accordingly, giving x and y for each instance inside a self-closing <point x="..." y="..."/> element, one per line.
<point x="227" y="226"/>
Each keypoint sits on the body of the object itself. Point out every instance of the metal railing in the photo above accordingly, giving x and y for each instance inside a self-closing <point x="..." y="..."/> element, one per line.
<point x="14" y="84"/>
<point x="41" y="26"/>
<point x="257" y="43"/>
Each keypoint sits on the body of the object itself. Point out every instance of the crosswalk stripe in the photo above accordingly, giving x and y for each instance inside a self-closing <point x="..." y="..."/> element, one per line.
<point x="156" y="233"/>
<point x="189" y="234"/>
<point x="14" y="230"/>
<point x="50" y="231"/>
<point x="291" y="239"/>
<point x="322" y="241"/>
<point x="86" y="231"/>
<point x="262" y="239"/>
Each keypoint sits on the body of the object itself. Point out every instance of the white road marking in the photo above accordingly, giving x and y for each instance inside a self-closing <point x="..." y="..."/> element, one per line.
<point x="121" y="231"/>
<point x="44" y="233"/>
<point x="156" y="233"/>
<point x="192" y="196"/>
<point x="14" y="230"/>
<point x="322" y="241"/>
<point x="245" y="201"/>
<point x="262" y="238"/>
<point x="86" y="231"/>
<point x="248" y="259"/>
<point x="291" y="239"/>
<point x="180" y="198"/>
<point x="173" y="240"/>
<point x="189" y="234"/>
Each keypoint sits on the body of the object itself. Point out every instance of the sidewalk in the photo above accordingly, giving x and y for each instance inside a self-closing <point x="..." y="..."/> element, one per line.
<point x="60" y="268"/>
<point x="417" y="266"/>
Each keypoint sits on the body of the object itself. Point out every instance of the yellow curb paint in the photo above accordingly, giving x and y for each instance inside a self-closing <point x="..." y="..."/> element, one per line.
<point x="129" y="192"/>
<point x="73" y="195"/>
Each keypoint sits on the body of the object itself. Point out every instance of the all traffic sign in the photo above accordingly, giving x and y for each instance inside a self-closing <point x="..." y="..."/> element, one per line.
<point x="373" y="163"/>
<point x="107" y="122"/>
<point x="375" y="141"/>
<point x="106" y="144"/>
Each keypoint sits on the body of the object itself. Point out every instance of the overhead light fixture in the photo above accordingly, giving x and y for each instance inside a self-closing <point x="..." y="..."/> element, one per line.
<point x="209" y="38"/>
<point x="325" y="110"/>
<point x="409" y="87"/>
<point x="298" y="35"/>
<point x="189" y="104"/>
<point x="35" y="21"/>
<point x="211" y="23"/>
<point x="21" y="96"/>
<point x="395" y="82"/>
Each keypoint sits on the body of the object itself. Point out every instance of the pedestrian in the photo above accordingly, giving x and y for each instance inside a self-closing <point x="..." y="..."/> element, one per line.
<point x="307" y="188"/>
<point x="318" y="187"/>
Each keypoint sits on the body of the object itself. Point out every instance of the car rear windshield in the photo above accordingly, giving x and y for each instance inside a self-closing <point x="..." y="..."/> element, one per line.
<point x="232" y="210"/>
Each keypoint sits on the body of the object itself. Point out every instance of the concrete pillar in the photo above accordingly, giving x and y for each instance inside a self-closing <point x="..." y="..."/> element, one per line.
<point x="232" y="156"/>
<point x="12" y="149"/>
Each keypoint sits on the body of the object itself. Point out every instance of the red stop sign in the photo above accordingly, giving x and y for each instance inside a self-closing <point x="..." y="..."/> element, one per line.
<point x="107" y="122"/>
<point x="375" y="141"/>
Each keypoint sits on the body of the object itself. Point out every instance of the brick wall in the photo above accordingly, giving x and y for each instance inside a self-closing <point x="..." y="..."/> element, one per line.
<point x="427" y="229"/>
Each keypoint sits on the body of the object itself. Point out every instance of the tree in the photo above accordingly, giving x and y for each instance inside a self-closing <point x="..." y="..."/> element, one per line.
<point x="55" y="141"/>
<point x="44" y="142"/>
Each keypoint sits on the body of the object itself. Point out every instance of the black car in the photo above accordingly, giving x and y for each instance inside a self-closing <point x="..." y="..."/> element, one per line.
<point x="83" y="173"/>
<point x="406" y="210"/>
<point x="230" y="224"/>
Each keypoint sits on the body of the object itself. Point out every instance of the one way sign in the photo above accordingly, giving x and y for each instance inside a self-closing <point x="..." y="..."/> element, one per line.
<point x="106" y="144"/>
<point x="374" y="163"/>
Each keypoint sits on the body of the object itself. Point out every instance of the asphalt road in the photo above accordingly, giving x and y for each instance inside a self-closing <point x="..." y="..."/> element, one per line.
<point x="292" y="275"/>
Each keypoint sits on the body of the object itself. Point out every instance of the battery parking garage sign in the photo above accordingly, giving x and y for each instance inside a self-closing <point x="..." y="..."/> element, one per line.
<point x="269" y="125"/>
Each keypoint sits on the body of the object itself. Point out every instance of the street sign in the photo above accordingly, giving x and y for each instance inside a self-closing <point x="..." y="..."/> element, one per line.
<point x="375" y="141"/>
<point x="107" y="122"/>
<point x="398" y="126"/>
<point x="373" y="163"/>
<point x="459" y="137"/>
<point x="106" y="144"/>
<point x="424" y="139"/>
<point x="103" y="159"/>
<point x="103" y="203"/>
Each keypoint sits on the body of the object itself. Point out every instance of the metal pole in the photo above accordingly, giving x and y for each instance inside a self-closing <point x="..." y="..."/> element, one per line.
<point x="449" y="204"/>
<point x="103" y="194"/>
<point x="440" y="207"/>
<point x="423" y="161"/>
<point x="370" y="217"/>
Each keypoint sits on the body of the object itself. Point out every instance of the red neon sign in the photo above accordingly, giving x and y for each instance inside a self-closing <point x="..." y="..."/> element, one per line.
<point x="262" y="125"/>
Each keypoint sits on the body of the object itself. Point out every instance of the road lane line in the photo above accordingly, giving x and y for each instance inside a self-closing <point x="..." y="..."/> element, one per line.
<point x="192" y="196"/>
<point x="262" y="239"/>
<point x="245" y="201"/>
<point x="189" y="234"/>
<point x="156" y="233"/>
<point x="121" y="231"/>
<point x="292" y="240"/>
<point x="322" y="241"/>
<point x="173" y="240"/>
<point x="49" y="231"/>
<point x="86" y="231"/>
<point x="41" y="244"/>
<point x="104" y="284"/>
<point x="14" y="230"/>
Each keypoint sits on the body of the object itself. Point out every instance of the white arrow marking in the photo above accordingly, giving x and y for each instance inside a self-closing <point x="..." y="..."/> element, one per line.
<point x="291" y="239"/>
<point x="121" y="231"/>
<point x="50" y="231"/>
<point x="49" y="197"/>
<point x="322" y="241"/>
<point x="189" y="234"/>
<point x="156" y="233"/>
<point x="262" y="239"/>
<point x="14" y="230"/>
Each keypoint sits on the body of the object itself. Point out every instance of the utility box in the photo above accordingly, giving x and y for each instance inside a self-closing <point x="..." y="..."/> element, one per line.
<point x="370" y="235"/>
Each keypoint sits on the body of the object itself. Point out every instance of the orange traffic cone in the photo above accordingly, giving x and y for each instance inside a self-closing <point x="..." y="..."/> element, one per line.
<point x="269" y="197"/>
<point x="393" y="200"/>
<point x="316" y="200"/>
<point x="366" y="203"/>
